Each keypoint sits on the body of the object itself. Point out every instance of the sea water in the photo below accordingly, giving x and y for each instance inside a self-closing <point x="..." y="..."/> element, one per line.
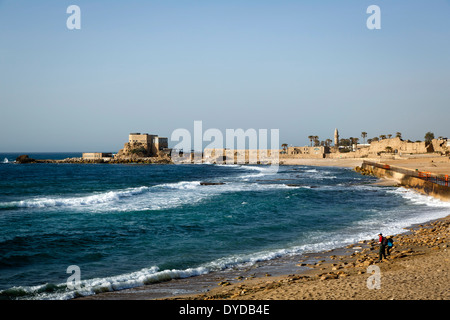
<point x="129" y="225"/>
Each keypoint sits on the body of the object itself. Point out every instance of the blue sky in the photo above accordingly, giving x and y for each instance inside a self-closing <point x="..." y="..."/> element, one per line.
<point x="303" y="67"/>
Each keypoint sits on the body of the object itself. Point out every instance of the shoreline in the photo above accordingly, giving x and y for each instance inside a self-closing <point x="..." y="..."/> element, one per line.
<point x="340" y="273"/>
<point x="418" y="268"/>
<point x="264" y="277"/>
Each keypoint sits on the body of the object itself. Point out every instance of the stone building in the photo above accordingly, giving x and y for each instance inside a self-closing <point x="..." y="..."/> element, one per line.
<point x="144" y="145"/>
<point x="307" y="152"/>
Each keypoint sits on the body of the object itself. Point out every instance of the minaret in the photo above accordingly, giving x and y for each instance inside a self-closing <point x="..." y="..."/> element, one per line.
<point x="336" y="138"/>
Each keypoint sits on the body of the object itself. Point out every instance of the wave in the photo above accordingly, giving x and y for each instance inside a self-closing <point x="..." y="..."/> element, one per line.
<point x="144" y="198"/>
<point x="419" y="199"/>
<point x="75" y="201"/>
<point x="97" y="285"/>
<point x="152" y="275"/>
<point x="258" y="171"/>
<point x="387" y="221"/>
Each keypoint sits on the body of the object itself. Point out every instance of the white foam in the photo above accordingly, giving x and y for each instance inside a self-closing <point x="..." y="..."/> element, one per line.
<point x="158" y="197"/>
<point x="260" y="171"/>
<point x="80" y="201"/>
<point x="420" y="199"/>
<point x="114" y="283"/>
<point x="388" y="222"/>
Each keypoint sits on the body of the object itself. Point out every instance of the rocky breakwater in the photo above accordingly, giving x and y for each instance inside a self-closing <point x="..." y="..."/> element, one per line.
<point x="407" y="179"/>
<point x="364" y="171"/>
<point x="134" y="159"/>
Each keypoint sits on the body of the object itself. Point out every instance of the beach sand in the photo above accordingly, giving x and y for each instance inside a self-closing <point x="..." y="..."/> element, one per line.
<point x="437" y="165"/>
<point x="348" y="163"/>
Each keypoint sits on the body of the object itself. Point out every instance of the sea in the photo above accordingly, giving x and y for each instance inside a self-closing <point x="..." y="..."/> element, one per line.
<point x="120" y="226"/>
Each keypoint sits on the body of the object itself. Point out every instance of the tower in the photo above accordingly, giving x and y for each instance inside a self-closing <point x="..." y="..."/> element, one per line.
<point x="336" y="138"/>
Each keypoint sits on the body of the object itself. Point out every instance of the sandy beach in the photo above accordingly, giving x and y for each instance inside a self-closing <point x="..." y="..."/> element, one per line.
<point x="417" y="269"/>
<point x="348" y="163"/>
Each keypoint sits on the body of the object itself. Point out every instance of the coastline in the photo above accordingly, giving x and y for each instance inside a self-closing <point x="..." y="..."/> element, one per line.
<point x="418" y="269"/>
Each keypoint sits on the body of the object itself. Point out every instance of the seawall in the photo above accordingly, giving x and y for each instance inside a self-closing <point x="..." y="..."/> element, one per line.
<point x="423" y="182"/>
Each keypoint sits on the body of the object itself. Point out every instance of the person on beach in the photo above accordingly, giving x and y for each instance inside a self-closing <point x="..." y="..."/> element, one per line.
<point x="390" y="245"/>
<point x="382" y="241"/>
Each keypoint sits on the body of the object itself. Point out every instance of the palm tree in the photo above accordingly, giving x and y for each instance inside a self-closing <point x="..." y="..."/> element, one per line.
<point x="311" y="138"/>
<point x="398" y="135"/>
<point x="429" y="136"/>
<point x="284" y="146"/>
<point x="389" y="136"/>
<point x="364" y="135"/>
<point x="328" y="142"/>
<point x="316" y="141"/>
<point x="382" y="137"/>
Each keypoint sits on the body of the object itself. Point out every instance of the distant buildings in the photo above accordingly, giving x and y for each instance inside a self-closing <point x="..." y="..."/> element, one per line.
<point x="308" y="152"/>
<point x="97" y="156"/>
<point x="139" y="145"/>
<point x="386" y="147"/>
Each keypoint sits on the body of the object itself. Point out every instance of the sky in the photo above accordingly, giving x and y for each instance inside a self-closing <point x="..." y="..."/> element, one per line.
<point x="303" y="67"/>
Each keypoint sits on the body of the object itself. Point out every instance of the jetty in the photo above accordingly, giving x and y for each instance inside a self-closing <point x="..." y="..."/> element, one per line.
<point x="426" y="182"/>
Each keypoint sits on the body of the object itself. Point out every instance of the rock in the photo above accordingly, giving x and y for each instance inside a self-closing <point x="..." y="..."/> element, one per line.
<point x="224" y="283"/>
<point x="24" y="159"/>
<point x="211" y="183"/>
<point x="329" y="276"/>
<point x="335" y="268"/>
